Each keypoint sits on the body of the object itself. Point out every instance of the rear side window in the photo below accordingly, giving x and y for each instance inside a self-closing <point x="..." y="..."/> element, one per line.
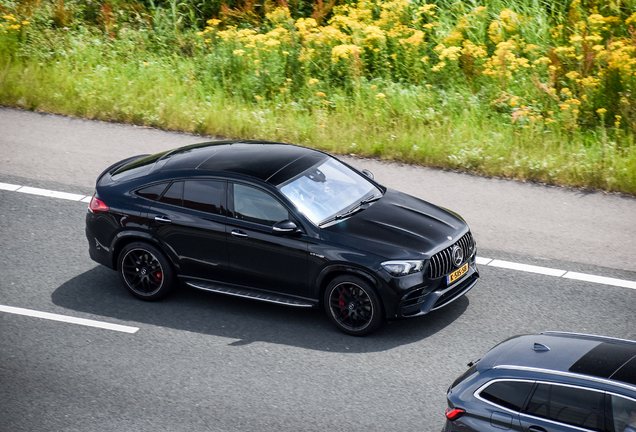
<point x="152" y="192"/>
<point x="508" y="394"/>
<point x="204" y="195"/>
<point x="623" y="413"/>
<point x="570" y="405"/>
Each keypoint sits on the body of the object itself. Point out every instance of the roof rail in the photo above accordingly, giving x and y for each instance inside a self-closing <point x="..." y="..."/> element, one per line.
<point x="587" y="336"/>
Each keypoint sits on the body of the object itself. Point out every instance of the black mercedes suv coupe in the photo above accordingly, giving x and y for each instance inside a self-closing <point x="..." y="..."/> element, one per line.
<point x="278" y="223"/>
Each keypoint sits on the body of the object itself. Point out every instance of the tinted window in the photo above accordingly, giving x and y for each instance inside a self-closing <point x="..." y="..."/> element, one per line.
<point x="623" y="413"/>
<point x="508" y="394"/>
<point x="204" y="195"/>
<point x="257" y="206"/>
<point x="573" y="406"/>
<point x="174" y="194"/>
<point x="152" y="192"/>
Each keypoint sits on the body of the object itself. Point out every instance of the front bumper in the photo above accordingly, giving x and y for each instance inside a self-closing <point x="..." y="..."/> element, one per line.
<point x="421" y="301"/>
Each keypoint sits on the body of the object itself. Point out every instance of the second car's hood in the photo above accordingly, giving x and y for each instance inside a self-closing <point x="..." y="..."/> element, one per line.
<point x="399" y="226"/>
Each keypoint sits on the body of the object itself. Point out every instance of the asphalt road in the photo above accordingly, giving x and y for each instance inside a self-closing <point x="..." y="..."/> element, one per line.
<point x="206" y="362"/>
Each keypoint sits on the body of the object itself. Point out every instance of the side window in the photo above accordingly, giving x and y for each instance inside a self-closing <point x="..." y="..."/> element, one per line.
<point x="174" y="194"/>
<point x="574" y="406"/>
<point x="508" y="394"/>
<point x="623" y="413"/>
<point x="152" y="192"/>
<point x="204" y="195"/>
<point x="254" y="205"/>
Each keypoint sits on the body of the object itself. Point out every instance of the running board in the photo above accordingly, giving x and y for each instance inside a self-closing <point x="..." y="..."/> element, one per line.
<point x="255" y="295"/>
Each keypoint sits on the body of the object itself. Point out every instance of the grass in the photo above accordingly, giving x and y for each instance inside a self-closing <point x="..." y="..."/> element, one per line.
<point x="174" y="80"/>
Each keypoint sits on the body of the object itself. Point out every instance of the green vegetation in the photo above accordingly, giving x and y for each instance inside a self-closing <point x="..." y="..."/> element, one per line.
<point x="527" y="89"/>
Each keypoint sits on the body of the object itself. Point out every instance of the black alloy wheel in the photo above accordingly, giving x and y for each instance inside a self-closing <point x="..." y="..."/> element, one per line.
<point x="353" y="306"/>
<point x="145" y="271"/>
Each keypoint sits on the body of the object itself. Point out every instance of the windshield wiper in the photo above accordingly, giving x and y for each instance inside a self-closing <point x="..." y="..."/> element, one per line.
<point x="352" y="210"/>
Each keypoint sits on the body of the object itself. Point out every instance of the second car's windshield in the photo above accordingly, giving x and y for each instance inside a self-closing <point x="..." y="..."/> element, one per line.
<point x="327" y="189"/>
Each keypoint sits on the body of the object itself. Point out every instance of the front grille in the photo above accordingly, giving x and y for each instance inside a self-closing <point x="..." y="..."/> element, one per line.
<point x="442" y="263"/>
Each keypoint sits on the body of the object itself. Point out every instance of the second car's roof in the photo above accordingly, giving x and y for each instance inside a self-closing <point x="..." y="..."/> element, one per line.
<point x="271" y="162"/>
<point x="568" y="352"/>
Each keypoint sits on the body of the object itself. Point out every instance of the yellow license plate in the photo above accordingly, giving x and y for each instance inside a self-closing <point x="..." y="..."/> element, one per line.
<point x="457" y="274"/>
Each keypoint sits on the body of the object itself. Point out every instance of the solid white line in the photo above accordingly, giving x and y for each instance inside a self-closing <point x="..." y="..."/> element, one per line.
<point x="68" y="319"/>
<point x="527" y="268"/>
<point x="9" y="187"/>
<point x="50" y="193"/>
<point x="600" y="279"/>
<point x="86" y="199"/>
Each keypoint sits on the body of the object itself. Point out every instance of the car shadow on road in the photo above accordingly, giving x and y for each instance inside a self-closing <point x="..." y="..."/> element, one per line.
<point x="100" y="292"/>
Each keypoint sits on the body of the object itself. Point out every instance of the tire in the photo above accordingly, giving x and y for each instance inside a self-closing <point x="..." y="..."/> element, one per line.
<point x="145" y="271"/>
<point x="353" y="305"/>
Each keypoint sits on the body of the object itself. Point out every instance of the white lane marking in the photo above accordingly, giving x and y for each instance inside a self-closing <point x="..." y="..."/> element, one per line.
<point x="527" y="268"/>
<point x="600" y="279"/>
<point x="9" y="187"/>
<point x="480" y="260"/>
<point x="68" y="319"/>
<point x="50" y="193"/>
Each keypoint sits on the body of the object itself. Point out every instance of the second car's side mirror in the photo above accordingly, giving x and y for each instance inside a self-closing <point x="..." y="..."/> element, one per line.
<point x="285" y="227"/>
<point x="367" y="173"/>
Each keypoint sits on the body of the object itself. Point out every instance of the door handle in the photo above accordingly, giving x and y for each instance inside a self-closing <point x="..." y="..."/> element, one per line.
<point x="536" y="429"/>
<point x="163" y="219"/>
<point x="240" y="234"/>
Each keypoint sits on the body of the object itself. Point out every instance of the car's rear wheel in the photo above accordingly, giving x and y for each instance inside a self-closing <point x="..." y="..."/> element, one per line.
<point x="353" y="306"/>
<point x="145" y="271"/>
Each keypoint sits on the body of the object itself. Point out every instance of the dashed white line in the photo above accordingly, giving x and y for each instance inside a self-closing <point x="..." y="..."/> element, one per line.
<point x="9" y="187"/>
<point x="50" y="193"/>
<point x="480" y="260"/>
<point x="68" y="319"/>
<point x="527" y="268"/>
<point x="600" y="279"/>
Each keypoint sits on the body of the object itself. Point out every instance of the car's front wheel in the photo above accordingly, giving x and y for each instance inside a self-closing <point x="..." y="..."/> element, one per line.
<point x="145" y="271"/>
<point x="353" y="306"/>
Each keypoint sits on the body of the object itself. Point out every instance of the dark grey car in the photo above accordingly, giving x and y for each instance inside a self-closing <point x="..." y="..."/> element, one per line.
<point x="552" y="381"/>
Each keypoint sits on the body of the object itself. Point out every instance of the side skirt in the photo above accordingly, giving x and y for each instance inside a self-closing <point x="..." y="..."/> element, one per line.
<point x="253" y="294"/>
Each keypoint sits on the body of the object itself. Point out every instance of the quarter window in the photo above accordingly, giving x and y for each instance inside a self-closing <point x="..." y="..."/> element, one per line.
<point x="508" y="394"/>
<point x="174" y="194"/>
<point x="570" y="405"/>
<point x="254" y="205"/>
<point x="152" y="192"/>
<point x="204" y="195"/>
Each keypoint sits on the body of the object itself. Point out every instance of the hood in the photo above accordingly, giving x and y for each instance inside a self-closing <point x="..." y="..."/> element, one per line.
<point x="399" y="226"/>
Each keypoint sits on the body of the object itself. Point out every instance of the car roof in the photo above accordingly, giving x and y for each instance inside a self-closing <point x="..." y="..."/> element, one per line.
<point x="588" y="355"/>
<point x="267" y="161"/>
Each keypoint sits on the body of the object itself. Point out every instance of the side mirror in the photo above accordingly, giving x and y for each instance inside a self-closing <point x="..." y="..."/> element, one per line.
<point x="367" y="173"/>
<point x="285" y="227"/>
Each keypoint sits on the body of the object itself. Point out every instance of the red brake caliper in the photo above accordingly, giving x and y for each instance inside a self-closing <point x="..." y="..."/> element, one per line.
<point x="341" y="304"/>
<point x="158" y="276"/>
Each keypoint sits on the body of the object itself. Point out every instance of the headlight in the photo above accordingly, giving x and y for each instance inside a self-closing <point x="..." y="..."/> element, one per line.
<point x="402" y="268"/>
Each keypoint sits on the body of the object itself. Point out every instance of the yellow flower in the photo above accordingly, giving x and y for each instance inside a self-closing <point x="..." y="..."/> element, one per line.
<point x="257" y="97"/>
<point x="145" y="63"/>
<point x="601" y="111"/>
<point x="373" y="87"/>
<point x="326" y="102"/>
<point x="380" y="96"/>
<point x="313" y="81"/>
<point x="289" y="80"/>
<point x="238" y="52"/>
<point x="321" y="94"/>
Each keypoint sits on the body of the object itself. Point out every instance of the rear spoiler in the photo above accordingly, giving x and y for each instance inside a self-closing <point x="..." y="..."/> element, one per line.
<point x="119" y="165"/>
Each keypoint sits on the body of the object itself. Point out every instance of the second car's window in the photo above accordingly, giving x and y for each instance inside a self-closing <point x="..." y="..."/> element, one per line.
<point x="508" y="394"/>
<point x="204" y="195"/>
<point x="257" y="206"/>
<point x="571" y="405"/>
<point x="623" y="413"/>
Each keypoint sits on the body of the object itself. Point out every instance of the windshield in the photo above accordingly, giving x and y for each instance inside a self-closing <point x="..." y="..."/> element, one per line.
<point x="327" y="189"/>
